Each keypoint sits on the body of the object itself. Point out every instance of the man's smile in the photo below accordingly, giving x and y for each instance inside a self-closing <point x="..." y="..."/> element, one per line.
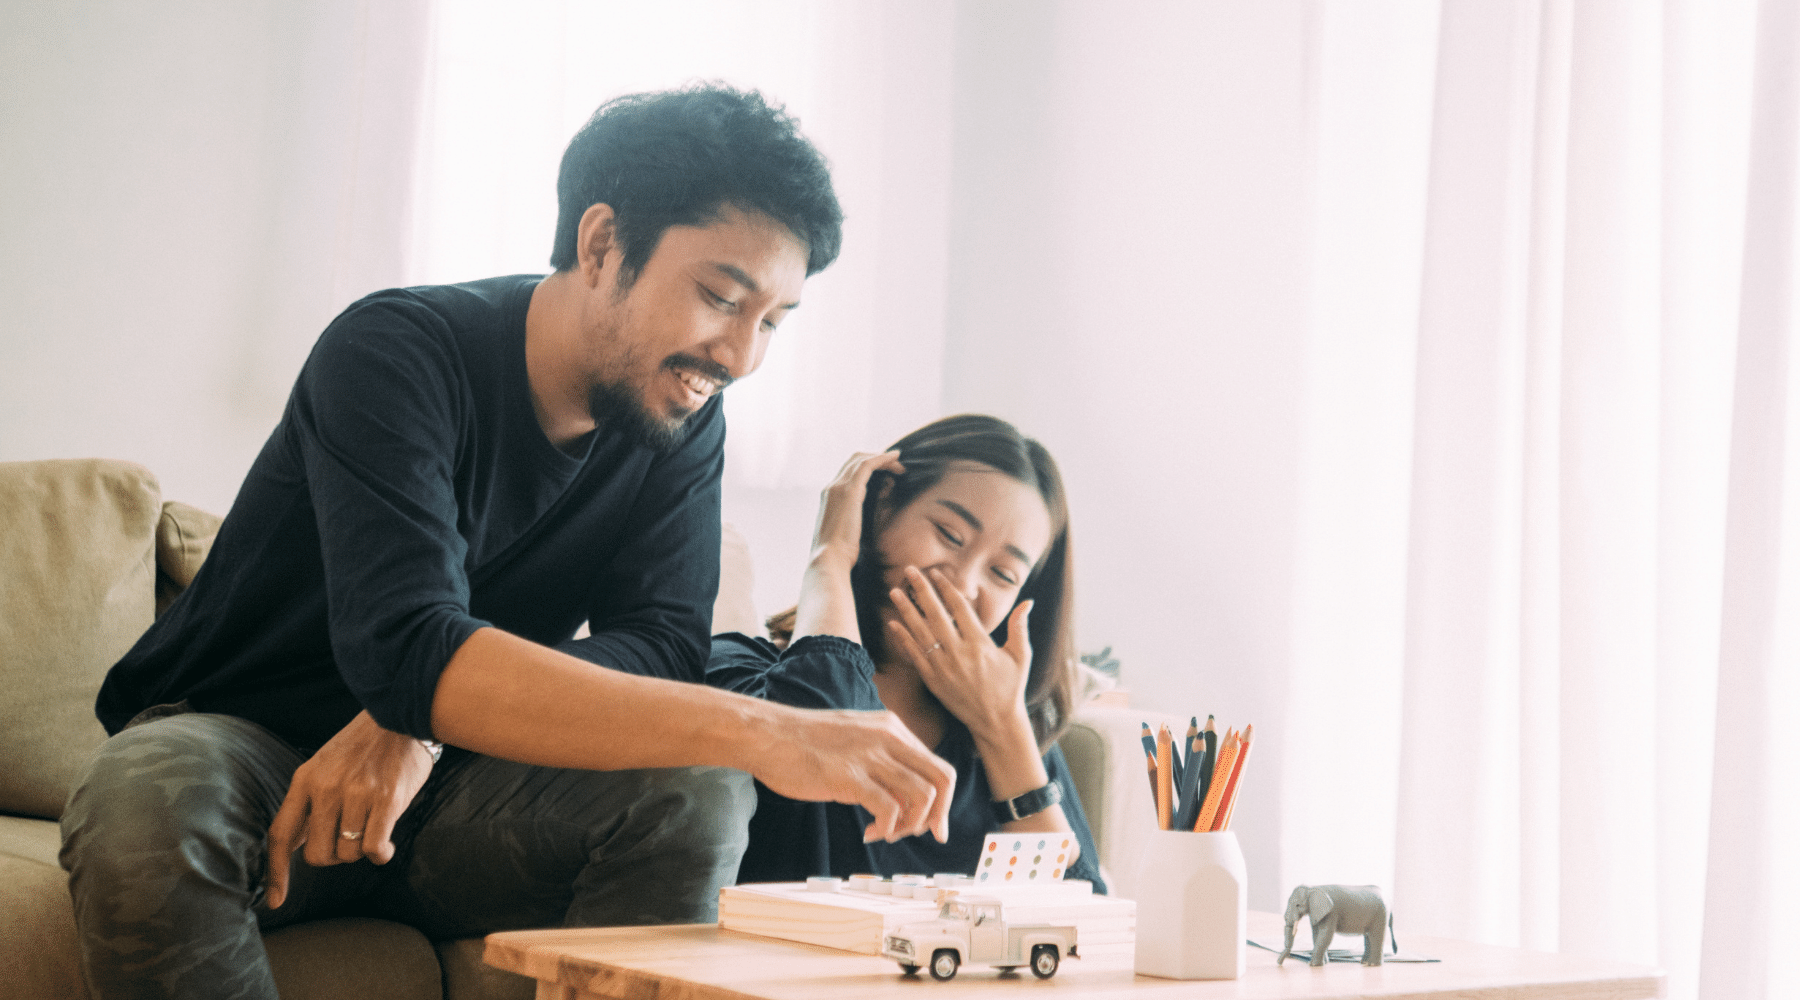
<point x="700" y="378"/>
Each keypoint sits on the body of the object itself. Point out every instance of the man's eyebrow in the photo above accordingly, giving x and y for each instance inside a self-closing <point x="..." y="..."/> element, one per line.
<point x="975" y="522"/>
<point x="737" y="274"/>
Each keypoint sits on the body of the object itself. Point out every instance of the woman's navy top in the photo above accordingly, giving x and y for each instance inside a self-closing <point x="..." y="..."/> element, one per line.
<point x="791" y="840"/>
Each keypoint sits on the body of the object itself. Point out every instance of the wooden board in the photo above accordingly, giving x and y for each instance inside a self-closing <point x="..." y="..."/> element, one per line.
<point x="856" y="921"/>
<point x="702" y="962"/>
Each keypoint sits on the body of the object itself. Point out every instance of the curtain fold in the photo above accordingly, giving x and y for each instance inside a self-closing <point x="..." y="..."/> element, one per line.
<point x="1752" y="876"/>
<point x="1602" y="506"/>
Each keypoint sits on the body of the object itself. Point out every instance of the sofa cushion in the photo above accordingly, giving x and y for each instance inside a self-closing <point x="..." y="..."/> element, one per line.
<point x="37" y="926"/>
<point x="31" y="838"/>
<point x="467" y="976"/>
<point x="353" y="957"/>
<point x="76" y="544"/>
<point x="184" y="535"/>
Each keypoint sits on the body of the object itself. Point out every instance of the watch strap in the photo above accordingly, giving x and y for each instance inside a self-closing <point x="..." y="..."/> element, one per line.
<point x="1029" y="804"/>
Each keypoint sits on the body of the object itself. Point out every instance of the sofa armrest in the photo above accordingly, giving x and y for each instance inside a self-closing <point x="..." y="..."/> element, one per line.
<point x="184" y="535"/>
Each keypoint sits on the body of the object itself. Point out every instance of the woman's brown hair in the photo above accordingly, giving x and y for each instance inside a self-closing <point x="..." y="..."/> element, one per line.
<point x="928" y="453"/>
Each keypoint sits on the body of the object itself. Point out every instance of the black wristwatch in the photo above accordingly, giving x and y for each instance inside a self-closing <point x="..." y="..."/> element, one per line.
<point x="1030" y="804"/>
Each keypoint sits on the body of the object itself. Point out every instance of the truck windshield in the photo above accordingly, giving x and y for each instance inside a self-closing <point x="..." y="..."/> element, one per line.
<point x="954" y="909"/>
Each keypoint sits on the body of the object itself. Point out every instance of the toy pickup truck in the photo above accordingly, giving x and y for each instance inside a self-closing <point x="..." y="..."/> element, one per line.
<point x="973" y="929"/>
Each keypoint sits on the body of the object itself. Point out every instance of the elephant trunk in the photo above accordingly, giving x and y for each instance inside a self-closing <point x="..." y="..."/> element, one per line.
<point x="1293" y="914"/>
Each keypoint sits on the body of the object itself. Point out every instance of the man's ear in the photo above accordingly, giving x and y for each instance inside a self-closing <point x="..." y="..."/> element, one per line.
<point x="596" y="240"/>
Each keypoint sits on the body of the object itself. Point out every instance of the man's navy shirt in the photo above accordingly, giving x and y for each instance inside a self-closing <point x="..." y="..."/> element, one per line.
<point x="409" y="497"/>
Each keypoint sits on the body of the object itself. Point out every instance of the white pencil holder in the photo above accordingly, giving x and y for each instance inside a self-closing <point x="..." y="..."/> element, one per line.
<point x="1190" y="906"/>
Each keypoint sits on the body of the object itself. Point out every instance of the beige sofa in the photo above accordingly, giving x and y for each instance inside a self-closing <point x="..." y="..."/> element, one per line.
<point x="89" y="554"/>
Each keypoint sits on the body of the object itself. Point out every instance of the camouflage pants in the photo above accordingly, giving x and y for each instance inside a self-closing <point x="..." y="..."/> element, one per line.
<point x="164" y="841"/>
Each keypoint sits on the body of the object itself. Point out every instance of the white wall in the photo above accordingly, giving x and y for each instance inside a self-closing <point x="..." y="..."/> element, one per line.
<point x="1129" y="257"/>
<point x="168" y="175"/>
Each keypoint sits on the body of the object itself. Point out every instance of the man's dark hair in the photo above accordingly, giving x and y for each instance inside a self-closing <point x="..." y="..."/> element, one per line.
<point x="676" y="158"/>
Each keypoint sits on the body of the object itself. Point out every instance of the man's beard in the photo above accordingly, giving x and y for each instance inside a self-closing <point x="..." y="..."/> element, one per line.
<point x="616" y="405"/>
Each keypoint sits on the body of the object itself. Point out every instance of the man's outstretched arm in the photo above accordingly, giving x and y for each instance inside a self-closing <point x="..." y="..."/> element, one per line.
<point x="508" y="697"/>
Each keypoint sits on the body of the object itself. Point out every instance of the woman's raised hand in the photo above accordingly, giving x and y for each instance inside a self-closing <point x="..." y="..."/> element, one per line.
<point x="980" y="683"/>
<point x="827" y="605"/>
<point x="838" y="531"/>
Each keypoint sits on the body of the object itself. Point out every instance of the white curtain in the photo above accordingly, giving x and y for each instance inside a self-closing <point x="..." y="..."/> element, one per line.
<point x="1598" y="608"/>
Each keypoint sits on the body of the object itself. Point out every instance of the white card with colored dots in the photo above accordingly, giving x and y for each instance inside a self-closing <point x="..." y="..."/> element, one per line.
<point x="1024" y="858"/>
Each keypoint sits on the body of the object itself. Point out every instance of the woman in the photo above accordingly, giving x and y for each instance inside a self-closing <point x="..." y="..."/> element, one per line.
<point x="939" y="589"/>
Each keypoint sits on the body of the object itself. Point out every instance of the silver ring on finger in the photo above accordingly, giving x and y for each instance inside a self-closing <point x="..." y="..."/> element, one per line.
<point x="935" y="647"/>
<point x="351" y="834"/>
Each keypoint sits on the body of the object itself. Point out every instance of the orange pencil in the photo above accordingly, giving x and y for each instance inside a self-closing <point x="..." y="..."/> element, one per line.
<point x="1237" y="772"/>
<point x="1164" y="775"/>
<point x="1228" y="750"/>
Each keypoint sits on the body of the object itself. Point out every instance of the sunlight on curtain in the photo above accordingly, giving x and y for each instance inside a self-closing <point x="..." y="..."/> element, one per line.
<point x="869" y="82"/>
<point x="1598" y="622"/>
<point x="1752" y="874"/>
<point x="1369" y="200"/>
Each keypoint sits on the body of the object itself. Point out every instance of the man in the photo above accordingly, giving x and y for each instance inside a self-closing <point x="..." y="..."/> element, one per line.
<point x="462" y="476"/>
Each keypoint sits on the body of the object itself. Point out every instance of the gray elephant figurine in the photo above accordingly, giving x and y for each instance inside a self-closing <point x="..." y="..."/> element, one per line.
<point x="1353" y="909"/>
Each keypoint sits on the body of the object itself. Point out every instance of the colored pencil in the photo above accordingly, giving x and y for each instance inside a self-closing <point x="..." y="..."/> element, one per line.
<point x="1164" y="776"/>
<point x="1181" y="759"/>
<point x="1203" y="784"/>
<point x="1237" y="773"/>
<point x="1187" y="801"/>
<point x="1221" y="773"/>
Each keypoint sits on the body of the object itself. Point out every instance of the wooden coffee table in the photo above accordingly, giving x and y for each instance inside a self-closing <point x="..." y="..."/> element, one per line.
<point x="702" y="962"/>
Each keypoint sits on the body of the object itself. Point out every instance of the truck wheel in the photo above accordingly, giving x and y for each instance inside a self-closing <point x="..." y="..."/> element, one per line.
<point x="944" y="963"/>
<point x="1044" y="961"/>
<point x="908" y="969"/>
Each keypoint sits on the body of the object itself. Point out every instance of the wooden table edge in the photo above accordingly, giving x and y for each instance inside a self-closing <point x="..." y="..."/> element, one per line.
<point x="524" y="953"/>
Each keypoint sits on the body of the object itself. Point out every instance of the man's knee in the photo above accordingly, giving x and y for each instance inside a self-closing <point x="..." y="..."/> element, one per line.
<point x="707" y="806"/>
<point x="155" y="792"/>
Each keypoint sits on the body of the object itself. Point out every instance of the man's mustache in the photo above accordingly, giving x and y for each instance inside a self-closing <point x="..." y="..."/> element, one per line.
<point x="700" y="366"/>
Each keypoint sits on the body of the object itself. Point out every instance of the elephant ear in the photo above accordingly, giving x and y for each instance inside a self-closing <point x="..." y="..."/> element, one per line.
<point x="1318" y="904"/>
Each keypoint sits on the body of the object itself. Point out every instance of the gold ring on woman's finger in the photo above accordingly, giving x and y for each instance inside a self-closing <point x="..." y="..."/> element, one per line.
<point x="351" y="834"/>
